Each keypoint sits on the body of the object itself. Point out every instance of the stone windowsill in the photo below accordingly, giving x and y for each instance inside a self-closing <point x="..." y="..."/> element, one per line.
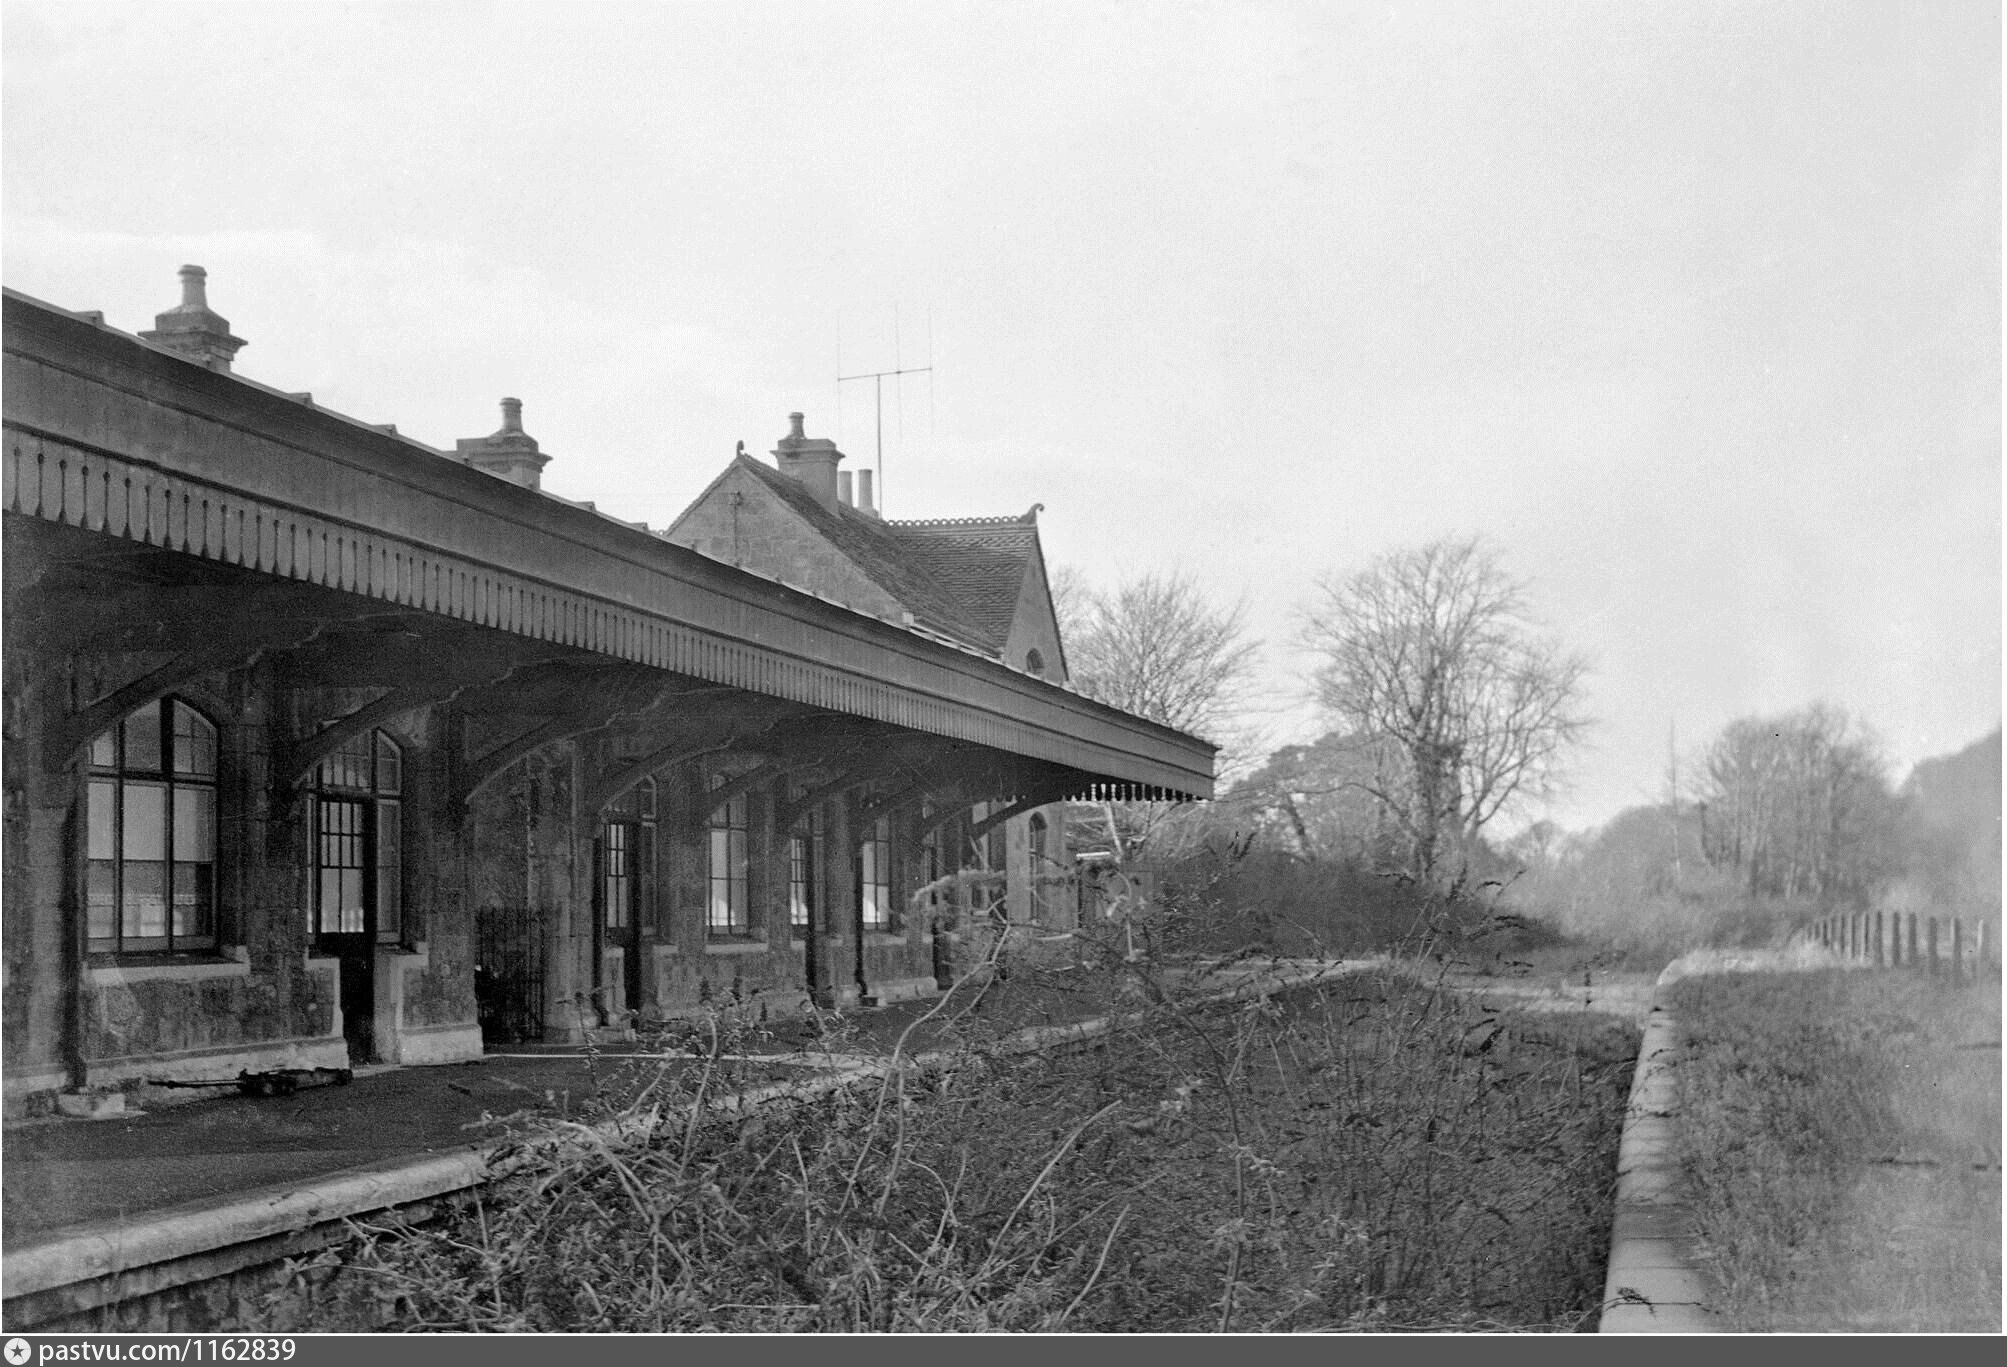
<point x="735" y="946"/>
<point x="232" y="961"/>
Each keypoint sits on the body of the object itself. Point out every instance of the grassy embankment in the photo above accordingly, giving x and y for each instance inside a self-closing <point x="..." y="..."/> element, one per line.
<point x="1374" y="1153"/>
<point x="1840" y="1134"/>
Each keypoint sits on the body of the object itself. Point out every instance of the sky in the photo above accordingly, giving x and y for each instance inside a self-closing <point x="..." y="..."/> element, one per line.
<point x="1692" y="309"/>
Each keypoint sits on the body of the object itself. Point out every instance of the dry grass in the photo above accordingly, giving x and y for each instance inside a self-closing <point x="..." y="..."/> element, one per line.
<point x="1376" y="1153"/>
<point x="1840" y="1134"/>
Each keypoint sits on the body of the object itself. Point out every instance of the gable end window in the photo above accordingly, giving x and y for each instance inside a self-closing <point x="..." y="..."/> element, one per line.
<point x="150" y="842"/>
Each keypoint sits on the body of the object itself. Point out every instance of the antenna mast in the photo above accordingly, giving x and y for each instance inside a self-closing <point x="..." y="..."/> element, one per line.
<point x="877" y="378"/>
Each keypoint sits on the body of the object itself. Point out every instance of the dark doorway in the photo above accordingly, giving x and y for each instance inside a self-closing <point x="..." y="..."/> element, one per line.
<point x="623" y="860"/>
<point x="358" y="873"/>
<point x="509" y="975"/>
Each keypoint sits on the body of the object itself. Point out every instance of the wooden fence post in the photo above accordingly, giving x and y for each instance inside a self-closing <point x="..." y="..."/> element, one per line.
<point x="1881" y="945"/>
<point x="1930" y="943"/>
<point x="1957" y="948"/>
<point x="1911" y="956"/>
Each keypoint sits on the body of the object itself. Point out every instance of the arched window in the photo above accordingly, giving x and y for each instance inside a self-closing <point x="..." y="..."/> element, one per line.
<point x="358" y="852"/>
<point x="150" y="818"/>
<point x="1034" y="662"/>
<point x="1037" y="864"/>
<point x="726" y="912"/>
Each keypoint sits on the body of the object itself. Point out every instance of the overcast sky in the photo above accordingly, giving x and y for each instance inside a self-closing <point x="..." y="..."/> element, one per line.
<point x="1693" y="308"/>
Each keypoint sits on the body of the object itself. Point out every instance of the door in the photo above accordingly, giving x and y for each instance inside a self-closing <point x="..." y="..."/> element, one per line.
<point x="622" y="858"/>
<point x="345" y="923"/>
<point x="620" y="844"/>
<point x="358" y="874"/>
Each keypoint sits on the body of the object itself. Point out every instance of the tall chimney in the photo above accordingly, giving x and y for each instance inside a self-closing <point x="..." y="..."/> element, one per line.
<point x="191" y="329"/>
<point x="864" y="503"/>
<point x="510" y="453"/>
<point x="843" y="487"/>
<point x="812" y="460"/>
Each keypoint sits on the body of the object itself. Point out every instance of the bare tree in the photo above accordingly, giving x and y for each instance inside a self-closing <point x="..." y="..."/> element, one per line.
<point x="1433" y="651"/>
<point x="1799" y="805"/>
<point x="1156" y="647"/>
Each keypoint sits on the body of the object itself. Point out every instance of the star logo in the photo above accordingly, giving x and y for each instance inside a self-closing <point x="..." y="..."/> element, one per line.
<point x="18" y="1351"/>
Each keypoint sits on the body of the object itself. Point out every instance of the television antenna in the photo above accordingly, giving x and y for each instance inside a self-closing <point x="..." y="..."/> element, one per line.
<point x="877" y="378"/>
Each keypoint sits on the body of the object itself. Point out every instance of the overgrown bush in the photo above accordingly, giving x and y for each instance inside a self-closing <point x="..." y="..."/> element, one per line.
<point x="1375" y="1152"/>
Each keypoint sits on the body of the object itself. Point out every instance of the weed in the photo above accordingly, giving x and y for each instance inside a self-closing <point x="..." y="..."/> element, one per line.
<point x="1839" y="1134"/>
<point x="1373" y="1152"/>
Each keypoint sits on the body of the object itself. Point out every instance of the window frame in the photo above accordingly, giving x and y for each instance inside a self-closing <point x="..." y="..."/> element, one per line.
<point x="108" y="767"/>
<point x="803" y="847"/>
<point x="727" y="872"/>
<point x="365" y="775"/>
<point x="633" y="811"/>
<point x="874" y="874"/>
<point x="1036" y="829"/>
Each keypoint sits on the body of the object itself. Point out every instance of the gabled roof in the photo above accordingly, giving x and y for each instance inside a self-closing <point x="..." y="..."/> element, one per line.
<point x="961" y="577"/>
<point x="876" y="549"/>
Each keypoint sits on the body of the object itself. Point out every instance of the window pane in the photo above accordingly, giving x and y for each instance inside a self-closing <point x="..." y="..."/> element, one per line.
<point x="389" y="871"/>
<point x="351" y="901"/>
<point x="193" y="904"/>
<point x="389" y="766"/>
<point x="798" y="894"/>
<point x="194" y="742"/>
<point x="327" y="901"/>
<point x="142" y="740"/>
<point x="104" y="749"/>
<point x="143" y="899"/>
<point x="101" y="819"/>
<point x="347" y="767"/>
<point x="100" y="890"/>
<point x="195" y="824"/>
<point x="145" y="821"/>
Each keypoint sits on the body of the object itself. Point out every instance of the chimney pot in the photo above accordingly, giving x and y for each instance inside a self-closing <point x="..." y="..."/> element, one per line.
<point x="843" y="487"/>
<point x="192" y="329"/>
<point x="811" y="460"/>
<point x="510" y="453"/>
<point x="864" y="502"/>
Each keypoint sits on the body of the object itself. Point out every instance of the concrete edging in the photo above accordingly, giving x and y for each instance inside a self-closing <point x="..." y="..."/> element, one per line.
<point x="1652" y="1286"/>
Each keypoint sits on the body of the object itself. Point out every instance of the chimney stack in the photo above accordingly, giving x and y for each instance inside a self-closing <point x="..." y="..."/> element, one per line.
<point x="191" y="329"/>
<point x="812" y="460"/>
<point x="510" y="453"/>
<point x="864" y="503"/>
<point x="843" y="495"/>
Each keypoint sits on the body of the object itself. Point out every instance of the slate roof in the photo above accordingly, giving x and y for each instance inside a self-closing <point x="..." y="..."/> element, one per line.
<point x="960" y="577"/>
<point x="981" y="561"/>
